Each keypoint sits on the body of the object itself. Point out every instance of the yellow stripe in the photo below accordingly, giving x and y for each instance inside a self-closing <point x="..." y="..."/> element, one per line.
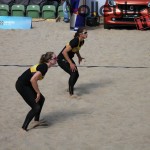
<point x="33" y="70"/>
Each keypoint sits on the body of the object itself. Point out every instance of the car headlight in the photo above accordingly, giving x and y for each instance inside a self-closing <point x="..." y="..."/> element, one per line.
<point x="112" y="2"/>
<point x="149" y="4"/>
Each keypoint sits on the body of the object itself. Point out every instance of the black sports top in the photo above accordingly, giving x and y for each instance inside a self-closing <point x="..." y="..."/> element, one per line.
<point x="27" y="75"/>
<point x="75" y="45"/>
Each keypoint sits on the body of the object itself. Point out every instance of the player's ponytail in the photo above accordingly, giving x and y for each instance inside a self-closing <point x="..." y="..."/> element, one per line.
<point x="45" y="57"/>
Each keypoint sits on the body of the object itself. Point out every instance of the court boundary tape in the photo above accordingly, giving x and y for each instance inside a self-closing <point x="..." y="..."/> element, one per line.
<point x="90" y="66"/>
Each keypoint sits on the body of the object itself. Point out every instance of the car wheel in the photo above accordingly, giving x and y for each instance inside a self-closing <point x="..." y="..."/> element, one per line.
<point x="106" y="26"/>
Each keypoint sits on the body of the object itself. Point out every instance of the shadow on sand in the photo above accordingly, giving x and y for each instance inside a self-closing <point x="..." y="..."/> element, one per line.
<point x="88" y="88"/>
<point x="60" y="116"/>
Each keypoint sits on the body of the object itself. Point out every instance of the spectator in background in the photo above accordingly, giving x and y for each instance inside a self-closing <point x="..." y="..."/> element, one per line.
<point x="66" y="5"/>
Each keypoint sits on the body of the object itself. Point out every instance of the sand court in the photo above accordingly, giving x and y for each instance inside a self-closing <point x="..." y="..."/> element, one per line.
<point x="113" y="110"/>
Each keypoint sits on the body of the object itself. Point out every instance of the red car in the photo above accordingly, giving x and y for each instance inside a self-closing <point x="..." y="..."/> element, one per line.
<point x="124" y="12"/>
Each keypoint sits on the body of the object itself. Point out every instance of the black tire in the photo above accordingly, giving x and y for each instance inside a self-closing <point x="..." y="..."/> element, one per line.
<point x="106" y="26"/>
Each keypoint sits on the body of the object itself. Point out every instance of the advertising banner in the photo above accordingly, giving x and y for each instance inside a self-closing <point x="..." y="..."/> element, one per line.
<point x="10" y="22"/>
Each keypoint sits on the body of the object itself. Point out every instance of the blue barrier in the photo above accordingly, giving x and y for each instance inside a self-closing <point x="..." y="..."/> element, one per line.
<point x="10" y="22"/>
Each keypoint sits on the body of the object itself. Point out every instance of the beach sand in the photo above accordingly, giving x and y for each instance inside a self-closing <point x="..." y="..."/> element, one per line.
<point x="113" y="108"/>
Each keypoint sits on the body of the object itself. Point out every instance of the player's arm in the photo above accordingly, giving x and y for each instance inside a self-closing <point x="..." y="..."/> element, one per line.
<point x="65" y="54"/>
<point x="34" y="83"/>
<point x="79" y="57"/>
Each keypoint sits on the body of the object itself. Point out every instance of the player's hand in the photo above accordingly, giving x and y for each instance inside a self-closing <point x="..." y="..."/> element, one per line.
<point x="38" y="97"/>
<point x="80" y="59"/>
<point x="73" y="67"/>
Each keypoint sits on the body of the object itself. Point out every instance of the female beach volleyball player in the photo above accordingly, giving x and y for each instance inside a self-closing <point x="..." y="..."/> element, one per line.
<point x="65" y="58"/>
<point x="27" y="87"/>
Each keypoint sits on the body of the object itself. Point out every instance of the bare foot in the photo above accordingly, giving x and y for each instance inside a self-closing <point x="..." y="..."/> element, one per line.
<point x="39" y="123"/>
<point x="42" y="121"/>
<point x="22" y="132"/>
<point x="75" y="96"/>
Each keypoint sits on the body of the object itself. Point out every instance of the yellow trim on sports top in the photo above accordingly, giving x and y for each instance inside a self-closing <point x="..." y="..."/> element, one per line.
<point x="33" y="70"/>
<point x="75" y="49"/>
